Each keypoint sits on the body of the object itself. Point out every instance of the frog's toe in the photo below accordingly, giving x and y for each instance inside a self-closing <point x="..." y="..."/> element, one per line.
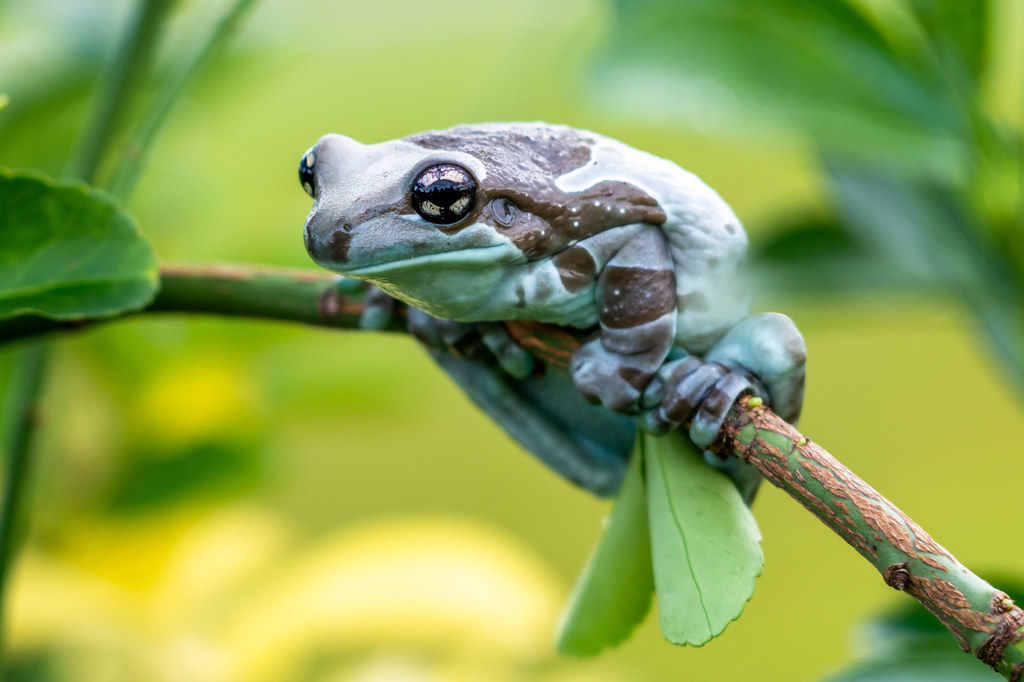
<point x="701" y="393"/>
<point x="600" y="377"/>
<point x="512" y="357"/>
<point x="652" y="418"/>
<point x="716" y="404"/>
<point x="437" y="332"/>
<point x="651" y="421"/>
<point x="685" y="390"/>
<point x="378" y="308"/>
<point x="476" y="341"/>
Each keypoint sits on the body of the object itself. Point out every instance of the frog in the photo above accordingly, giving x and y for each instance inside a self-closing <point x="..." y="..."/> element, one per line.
<point x="482" y="224"/>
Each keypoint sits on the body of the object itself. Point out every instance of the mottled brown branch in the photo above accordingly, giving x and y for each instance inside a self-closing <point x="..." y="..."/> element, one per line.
<point x="984" y="620"/>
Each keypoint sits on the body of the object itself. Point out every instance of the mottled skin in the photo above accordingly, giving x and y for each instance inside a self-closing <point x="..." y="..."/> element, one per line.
<point x="567" y="227"/>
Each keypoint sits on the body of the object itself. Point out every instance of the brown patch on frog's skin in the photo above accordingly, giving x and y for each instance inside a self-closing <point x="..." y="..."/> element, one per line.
<point x="636" y="378"/>
<point x="338" y="246"/>
<point x="721" y="395"/>
<point x="576" y="268"/>
<point x="520" y="295"/>
<point x="635" y="296"/>
<point x="550" y="220"/>
<point x="338" y="243"/>
<point x="530" y="158"/>
<point x="642" y="340"/>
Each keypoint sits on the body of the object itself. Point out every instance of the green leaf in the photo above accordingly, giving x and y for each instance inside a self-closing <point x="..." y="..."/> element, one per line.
<point x="160" y="476"/>
<point x="907" y="643"/>
<point x="928" y="230"/>
<point x="613" y="594"/>
<point x="958" y="30"/>
<point x="821" y="256"/>
<point x="69" y="252"/>
<point x="959" y="669"/>
<point x="705" y="541"/>
<point x="908" y="632"/>
<point x="818" y="67"/>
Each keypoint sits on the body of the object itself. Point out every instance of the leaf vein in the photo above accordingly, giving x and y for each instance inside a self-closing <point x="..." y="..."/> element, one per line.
<point x="686" y="548"/>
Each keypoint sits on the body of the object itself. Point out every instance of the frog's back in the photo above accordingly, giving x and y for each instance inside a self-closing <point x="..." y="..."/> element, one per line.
<point x="706" y="240"/>
<point x="554" y="164"/>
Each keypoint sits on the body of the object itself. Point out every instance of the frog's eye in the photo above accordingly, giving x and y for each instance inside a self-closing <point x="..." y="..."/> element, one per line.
<point x="307" y="175"/>
<point x="444" y="194"/>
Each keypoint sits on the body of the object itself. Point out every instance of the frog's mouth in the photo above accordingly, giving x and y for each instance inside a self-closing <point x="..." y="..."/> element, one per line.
<point x="451" y="284"/>
<point x="476" y="258"/>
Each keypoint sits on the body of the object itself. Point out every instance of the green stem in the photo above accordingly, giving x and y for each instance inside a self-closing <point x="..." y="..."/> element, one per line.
<point x="307" y="296"/>
<point x="294" y="295"/>
<point x="20" y="415"/>
<point x="131" y="61"/>
<point x="110" y="101"/>
<point x="134" y="155"/>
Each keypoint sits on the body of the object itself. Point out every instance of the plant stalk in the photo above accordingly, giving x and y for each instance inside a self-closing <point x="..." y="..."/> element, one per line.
<point x="136" y="150"/>
<point x="110" y="101"/>
<point x="21" y="411"/>
<point x="287" y="294"/>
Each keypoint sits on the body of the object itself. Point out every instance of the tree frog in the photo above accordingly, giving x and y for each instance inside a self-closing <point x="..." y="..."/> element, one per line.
<point x="513" y="221"/>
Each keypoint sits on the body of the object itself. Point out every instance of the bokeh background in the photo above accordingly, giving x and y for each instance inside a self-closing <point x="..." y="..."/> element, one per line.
<point x="218" y="500"/>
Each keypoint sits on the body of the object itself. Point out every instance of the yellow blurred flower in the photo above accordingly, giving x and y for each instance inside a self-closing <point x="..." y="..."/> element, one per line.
<point x="205" y="396"/>
<point x="225" y="595"/>
<point x="439" y="585"/>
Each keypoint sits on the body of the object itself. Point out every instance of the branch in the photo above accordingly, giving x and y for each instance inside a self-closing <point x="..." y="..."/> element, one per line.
<point x="293" y="295"/>
<point x="984" y="620"/>
<point x="20" y="414"/>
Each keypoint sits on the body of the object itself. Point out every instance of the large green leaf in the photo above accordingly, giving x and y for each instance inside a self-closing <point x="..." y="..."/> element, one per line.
<point x="613" y="594"/>
<point x="705" y="543"/>
<point x="820" y="255"/>
<point x="69" y="252"/>
<point x="819" y="67"/>
<point x="907" y="643"/>
<point x="939" y="669"/>
<point x="958" y="31"/>
<point x="926" y="229"/>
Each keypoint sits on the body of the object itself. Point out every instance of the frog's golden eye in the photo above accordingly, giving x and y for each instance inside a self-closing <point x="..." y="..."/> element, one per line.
<point x="444" y="194"/>
<point x="307" y="172"/>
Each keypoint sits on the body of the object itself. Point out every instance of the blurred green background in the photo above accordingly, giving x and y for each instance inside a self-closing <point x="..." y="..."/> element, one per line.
<point x="233" y="500"/>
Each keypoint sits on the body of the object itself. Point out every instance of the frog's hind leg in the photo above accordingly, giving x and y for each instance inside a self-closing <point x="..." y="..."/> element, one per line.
<point x="763" y="355"/>
<point x="636" y="303"/>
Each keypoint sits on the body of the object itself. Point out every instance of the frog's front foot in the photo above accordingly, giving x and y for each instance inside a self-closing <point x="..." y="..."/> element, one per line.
<point x="698" y="392"/>
<point x="468" y="339"/>
<point x="607" y="378"/>
<point x="763" y="355"/>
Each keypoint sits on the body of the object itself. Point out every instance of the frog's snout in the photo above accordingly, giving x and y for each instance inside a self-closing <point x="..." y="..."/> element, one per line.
<point x="327" y="240"/>
<point x="324" y="165"/>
